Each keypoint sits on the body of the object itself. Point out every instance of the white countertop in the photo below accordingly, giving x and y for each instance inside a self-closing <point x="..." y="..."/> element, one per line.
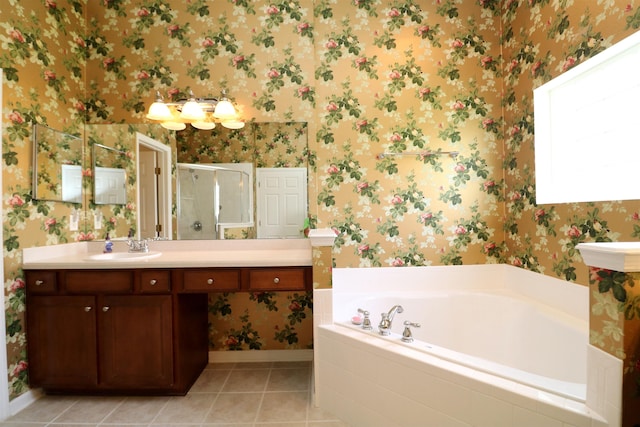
<point x="175" y="254"/>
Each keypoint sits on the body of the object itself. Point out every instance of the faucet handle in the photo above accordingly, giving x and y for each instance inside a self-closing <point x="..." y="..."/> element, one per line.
<point x="406" y="335"/>
<point x="366" y="322"/>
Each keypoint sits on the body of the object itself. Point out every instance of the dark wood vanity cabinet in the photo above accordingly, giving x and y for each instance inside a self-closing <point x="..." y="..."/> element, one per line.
<point x="62" y="341"/>
<point x="131" y="330"/>
<point x="111" y="330"/>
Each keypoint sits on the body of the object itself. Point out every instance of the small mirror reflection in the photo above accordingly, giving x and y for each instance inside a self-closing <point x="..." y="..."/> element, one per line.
<point x="57" y="169"/>
<point x="109" y="175"/>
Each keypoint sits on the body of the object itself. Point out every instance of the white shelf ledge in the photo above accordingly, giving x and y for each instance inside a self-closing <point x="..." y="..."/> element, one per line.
<point x="618" y="256"/>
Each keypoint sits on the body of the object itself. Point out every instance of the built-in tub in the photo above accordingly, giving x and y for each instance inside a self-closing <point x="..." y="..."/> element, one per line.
<point x="498" y="346"/>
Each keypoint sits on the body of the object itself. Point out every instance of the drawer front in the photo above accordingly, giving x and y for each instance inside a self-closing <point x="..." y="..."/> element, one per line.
<point x="212" y="280"/>
<point x="90" y="281"/>
<point x="155" y="281"/>
<point x="277" y="279"/>
<point x="41" y="282"/>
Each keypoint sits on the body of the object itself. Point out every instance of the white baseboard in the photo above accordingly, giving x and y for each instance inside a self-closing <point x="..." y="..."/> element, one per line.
<point x="24" y="400"/>
<point x="260" y="356"/>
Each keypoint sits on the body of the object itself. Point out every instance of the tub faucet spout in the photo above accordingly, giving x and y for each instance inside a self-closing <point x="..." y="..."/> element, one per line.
<point x="387" y="318"/>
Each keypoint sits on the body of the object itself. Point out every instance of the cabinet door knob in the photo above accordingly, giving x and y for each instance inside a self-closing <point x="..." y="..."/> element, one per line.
<point x="152" y="282"/>
<point x="209" y="281"/>
<point x="87" y="309"/>
<point x="39" y="282"/>
<point x="276" y="280"/>
<point x="105" y="308"/>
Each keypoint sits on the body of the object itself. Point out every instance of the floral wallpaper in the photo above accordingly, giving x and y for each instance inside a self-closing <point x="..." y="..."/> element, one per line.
<point x="266" y="320"/>
<point x="388" y="88"/>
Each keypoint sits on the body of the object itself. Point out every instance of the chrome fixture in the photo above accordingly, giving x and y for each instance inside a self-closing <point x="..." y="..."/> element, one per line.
<point x="366" y="322"/>
<point x="201" y="113"/>
<point x="385" y="323"/>
<point x="406" y="335"/>
<point x="137" y="245"/>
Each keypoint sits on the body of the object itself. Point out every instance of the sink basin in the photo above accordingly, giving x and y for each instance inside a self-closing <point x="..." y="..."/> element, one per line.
<point x="123" y="256"/>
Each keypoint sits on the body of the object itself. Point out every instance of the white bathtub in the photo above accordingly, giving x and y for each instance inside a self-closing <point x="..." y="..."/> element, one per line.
<point x="497" y="346"/>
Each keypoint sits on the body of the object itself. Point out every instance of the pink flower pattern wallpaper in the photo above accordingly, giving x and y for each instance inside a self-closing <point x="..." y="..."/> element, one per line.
<point x="419" y="117"/>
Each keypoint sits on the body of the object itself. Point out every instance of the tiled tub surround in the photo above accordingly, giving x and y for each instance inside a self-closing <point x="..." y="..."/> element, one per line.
<point x="369" y="380"/>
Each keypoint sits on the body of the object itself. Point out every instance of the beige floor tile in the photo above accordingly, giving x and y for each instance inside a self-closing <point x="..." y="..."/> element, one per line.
<point x="229" y="394"/>
<point x="292" y="365"/>
<point x="235" y="407"/>
<point x="283" y="406"/>
<point x="72" y="425"/>
<point x="192" y="408"/>
<point x="45" y="409"/>
<point x="221" y="366"/>
<point x="89" y="410"/>
<point x="21" y="424"/>
<point x="289" y="379"/>
<point x="283" y="424"/>
<point x="137" y="409"/>
<point x="210" y="381"/>
<point x="246" y="380"/>
<point x="226" y="425"/>
<point x="253" y="365"/>
<point x="325" y="424"/>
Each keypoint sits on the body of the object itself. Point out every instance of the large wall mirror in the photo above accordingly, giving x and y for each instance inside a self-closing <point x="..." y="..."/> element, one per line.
<point x="273" y="150"/>
<point x="58" y="163"/>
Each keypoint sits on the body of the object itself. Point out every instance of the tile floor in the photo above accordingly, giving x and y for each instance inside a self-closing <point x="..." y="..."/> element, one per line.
<point x="229" y="394"/>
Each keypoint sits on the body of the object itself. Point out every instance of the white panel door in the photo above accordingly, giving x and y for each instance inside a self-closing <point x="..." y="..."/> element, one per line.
<point x="282" y="202"/>
<point x="148" y="205"/>
<point x="110" y="186"/>
<point x="72" y="183"/>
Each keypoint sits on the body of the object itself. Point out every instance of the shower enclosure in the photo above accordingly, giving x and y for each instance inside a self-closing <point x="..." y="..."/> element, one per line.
<point x="212" y="197"/>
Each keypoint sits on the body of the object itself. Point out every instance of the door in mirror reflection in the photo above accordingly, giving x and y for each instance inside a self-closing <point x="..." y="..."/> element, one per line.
<point x="282" y="202"/>
<point x="110" y="186"/>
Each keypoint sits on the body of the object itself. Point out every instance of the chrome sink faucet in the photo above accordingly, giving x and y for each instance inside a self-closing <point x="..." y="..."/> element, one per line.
<point x="387" y="318"/>
<point x="137" y="245"/>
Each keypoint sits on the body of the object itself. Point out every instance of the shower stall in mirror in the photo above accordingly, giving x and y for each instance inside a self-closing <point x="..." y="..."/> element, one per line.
<point x="212" y="198"/>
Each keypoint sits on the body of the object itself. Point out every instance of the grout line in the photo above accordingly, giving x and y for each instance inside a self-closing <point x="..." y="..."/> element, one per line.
<point x="159" y="411"/>
<point x="75" y="402"/>
<point x="112" y="411"/>
<point x="264" y="390"/>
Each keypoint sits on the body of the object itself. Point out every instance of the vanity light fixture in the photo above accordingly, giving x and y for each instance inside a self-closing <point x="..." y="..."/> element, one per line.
<point x="201" y="113"/>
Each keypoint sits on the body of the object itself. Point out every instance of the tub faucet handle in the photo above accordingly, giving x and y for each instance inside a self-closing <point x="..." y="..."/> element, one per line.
<point x="406" y="335"/>
<point x="366" y="322"/>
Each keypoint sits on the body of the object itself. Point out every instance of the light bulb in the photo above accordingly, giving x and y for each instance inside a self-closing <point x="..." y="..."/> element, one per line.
<point x="224" y="110"/>
<point x="192" y="111"/>
<point x="159" y="111"/>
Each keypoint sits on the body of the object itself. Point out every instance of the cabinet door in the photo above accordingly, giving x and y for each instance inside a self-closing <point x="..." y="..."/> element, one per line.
<point x="136" y="341"/>
<point x="61" y="332"/>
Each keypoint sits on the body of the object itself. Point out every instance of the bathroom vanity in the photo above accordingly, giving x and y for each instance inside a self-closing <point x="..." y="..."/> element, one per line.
<point x="139" y="324"/>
